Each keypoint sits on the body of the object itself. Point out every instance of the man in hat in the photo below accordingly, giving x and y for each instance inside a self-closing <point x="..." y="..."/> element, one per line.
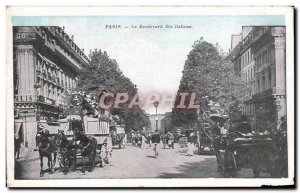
<point x="41" y="130"/>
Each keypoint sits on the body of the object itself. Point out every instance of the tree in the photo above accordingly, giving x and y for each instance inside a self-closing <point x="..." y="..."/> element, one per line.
<point x="208" y="73"/>
<point x="104" y="73"/>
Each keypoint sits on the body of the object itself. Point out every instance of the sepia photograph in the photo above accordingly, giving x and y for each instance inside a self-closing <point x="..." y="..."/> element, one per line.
<point x="150" y="96"/>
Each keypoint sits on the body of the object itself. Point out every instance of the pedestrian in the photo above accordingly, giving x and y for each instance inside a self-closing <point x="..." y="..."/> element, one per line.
<point x="143" y="141"/>
<point x="125" y="138"/>
<point x="18" y="142"/>
<point x="155" y="142"/>
<point x="191" y="147"/>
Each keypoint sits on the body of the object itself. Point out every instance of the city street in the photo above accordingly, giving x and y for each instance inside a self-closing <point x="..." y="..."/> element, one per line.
<point x="134" y="162"/>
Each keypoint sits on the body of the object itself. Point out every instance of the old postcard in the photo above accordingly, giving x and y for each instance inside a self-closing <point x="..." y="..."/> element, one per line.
<point x="150" y="96"/>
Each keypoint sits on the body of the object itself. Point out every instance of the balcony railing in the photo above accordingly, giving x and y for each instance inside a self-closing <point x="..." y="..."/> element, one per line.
<point x="33" y="98"/>
<point x="62" y="52"/>
<point x="269" y="92"/>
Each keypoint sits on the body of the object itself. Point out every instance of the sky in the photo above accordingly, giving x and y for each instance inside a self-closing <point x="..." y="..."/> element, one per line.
<point x="152" y="58"/>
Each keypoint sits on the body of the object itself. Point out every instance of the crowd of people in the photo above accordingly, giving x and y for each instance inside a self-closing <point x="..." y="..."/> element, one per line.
<point x="145" y="140"/>
<point x="153" y="139"/>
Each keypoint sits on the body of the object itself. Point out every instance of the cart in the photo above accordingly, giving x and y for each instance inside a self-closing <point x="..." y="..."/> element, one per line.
<point x="118" y="136"/>
<point x="93" y="127"/>
<point x="208" y="130"/>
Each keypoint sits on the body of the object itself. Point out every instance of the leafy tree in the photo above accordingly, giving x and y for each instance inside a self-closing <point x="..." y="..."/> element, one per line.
<point x="104" y="73"/>
<point x="208" y="73"/>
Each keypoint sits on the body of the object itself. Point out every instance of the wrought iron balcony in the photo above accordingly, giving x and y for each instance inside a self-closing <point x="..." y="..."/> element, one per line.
<point x="269" y="92"/>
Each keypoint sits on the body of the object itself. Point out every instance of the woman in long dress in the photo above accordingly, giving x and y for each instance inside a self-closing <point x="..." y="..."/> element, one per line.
<point x="191" y="146"/>
<point x="144" y="141"/>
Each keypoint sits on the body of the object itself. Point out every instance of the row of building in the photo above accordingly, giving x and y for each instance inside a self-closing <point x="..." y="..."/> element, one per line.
<point x="46" y="65"/>
<point x="260" y="59"/>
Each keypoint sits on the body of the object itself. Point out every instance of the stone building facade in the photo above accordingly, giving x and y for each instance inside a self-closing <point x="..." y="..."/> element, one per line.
<point x="46" y="62"/>
<point x="245" y="67"/>
<point x="260" y="61"/>
<point x="270" y="97"/>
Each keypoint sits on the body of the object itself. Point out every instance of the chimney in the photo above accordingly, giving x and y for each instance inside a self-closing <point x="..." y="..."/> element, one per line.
<point x="72" y="37"/>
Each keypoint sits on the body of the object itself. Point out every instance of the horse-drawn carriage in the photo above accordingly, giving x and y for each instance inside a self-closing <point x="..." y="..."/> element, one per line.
<point x="209" y="128"/>
<point x="83" y="134"/>
<point x="241" y="148"/>
<point x="118" y="136"/>
<point x="92" y="128"/>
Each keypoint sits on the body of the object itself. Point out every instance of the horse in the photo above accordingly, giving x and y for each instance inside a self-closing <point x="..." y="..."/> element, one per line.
<point x="48" y="149"/>
<point x="87" y="147"/>
<point x="279" y="153"/>
<point x="218" y="144"/>
<point x="225" y="157"/>
<point x="67" y="151"/>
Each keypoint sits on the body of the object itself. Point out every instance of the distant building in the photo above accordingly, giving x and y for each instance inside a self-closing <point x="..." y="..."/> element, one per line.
<point x="166" y="122"/>
<point x="245" y="67"/>
<point x="46" y="62"/>
<point x="235" y="40"/>
<point x="260" y="61"/>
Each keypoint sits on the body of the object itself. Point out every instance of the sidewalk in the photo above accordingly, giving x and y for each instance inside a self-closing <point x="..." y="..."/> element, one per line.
<point x="27" y="155"/>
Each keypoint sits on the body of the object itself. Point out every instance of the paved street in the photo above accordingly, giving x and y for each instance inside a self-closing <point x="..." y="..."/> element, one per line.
<point x="134" y="162"/>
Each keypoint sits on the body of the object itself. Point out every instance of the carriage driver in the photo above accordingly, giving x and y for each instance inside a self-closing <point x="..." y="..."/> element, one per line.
<point x="41" y="130"/>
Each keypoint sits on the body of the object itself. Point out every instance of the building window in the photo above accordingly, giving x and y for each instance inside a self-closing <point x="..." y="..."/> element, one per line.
<point x="242" y="60"/>
<point x="248" y="56"/>
<point x="263" y="83"/>
<point x="264" y="57"/>
<point x="63" y="79"/>
<point x="270" y="78"/>
<point x="45" y="89"/>
<point x="50" y="92"/>
<point x="258" y="85"/>
<point x="66" y="81"/>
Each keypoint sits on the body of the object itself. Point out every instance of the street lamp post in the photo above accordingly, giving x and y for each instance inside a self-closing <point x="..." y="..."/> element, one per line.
<point x="156" y="118"/>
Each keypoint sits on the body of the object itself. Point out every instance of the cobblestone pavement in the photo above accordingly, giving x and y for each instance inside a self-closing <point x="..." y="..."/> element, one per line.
<point x="134" y="162"/>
